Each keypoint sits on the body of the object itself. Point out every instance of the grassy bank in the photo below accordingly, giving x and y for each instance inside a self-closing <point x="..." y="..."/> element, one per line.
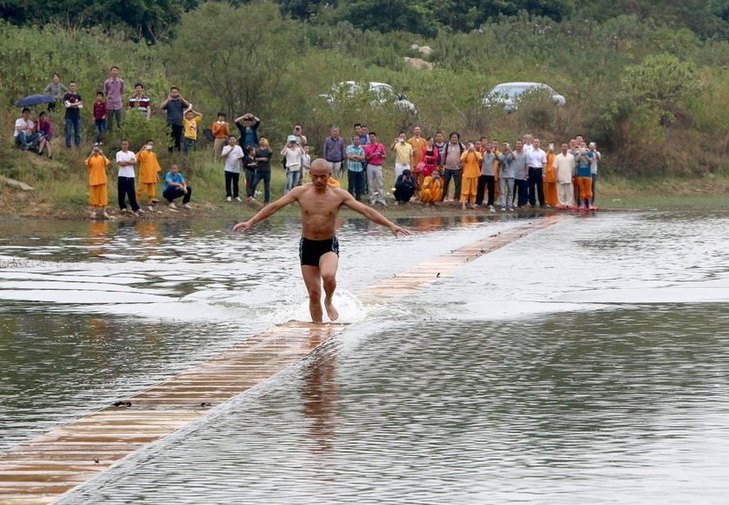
<point x="60" y="188"/>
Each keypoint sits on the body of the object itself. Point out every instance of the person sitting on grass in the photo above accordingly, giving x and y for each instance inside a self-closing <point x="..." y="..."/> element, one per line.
<point x="45" y="132"/>
<point x="175" y="186"/>
<point x="98" y="193"/>
<point x="25" y="136"/>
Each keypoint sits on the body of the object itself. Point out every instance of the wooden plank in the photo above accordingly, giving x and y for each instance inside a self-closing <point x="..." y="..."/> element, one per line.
<point x="43" y="469"/>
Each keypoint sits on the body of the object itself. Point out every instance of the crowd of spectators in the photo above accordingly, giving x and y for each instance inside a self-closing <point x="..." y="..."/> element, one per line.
<point x="481" y="172"/>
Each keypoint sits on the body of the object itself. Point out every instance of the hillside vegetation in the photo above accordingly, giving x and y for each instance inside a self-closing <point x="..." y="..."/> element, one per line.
<point x="649" y="82"/>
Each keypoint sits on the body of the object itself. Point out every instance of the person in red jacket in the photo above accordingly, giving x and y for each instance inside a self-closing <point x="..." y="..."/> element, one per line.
<point x="100" y="117"/>
<point x="430" y="158"/>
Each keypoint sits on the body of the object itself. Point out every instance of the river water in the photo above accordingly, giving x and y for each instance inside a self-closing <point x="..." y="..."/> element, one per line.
<point x="583" y="363"/>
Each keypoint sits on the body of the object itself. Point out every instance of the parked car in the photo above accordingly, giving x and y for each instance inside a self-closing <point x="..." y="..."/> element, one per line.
<point x="382" y="94"/>
<point x="508" y="94"/>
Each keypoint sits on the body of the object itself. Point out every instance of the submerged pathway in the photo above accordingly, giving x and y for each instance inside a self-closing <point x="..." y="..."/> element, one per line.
<point x="43" y="469"/>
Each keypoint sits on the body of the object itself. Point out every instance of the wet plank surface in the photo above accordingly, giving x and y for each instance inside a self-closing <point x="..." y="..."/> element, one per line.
<point x="43" y="469"/>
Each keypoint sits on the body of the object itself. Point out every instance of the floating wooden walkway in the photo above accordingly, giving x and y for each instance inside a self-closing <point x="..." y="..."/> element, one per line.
<point x="43" y="469"/>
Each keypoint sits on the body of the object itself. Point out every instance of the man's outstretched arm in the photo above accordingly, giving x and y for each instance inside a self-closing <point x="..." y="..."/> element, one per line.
<point x="269" y="210"/>
<point x="372" y="214"/>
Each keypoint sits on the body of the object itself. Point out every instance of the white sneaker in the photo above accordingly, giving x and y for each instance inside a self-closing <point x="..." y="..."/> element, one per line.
<point x="187" y="206"/>
<point x="150" y="208"/>
<point x="237" y="199"/>
<point x="491" y="208"/>
<point x="229" y="199"/>
<point x="105" y="215"/>
<point x="172" y="205"/>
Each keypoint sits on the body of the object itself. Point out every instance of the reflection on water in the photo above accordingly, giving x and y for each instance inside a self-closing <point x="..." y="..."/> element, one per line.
<point x="55" y="367"/>
<point x="579" y="364"/>
<point x="319" y="395"/>
<point x="599" y="407"/>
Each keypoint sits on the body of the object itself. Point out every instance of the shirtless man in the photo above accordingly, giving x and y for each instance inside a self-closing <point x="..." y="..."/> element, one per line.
<point x="319" y="248"/>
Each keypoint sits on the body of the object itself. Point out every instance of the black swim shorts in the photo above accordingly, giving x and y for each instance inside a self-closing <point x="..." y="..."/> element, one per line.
<point x="311" y="250"/>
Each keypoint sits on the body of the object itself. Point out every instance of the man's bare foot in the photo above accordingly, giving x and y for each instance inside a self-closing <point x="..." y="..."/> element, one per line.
<point x="331" y="311"/>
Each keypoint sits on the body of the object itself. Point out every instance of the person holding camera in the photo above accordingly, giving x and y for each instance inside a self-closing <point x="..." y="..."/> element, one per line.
<point x="375" y="156"/>
<point x="149" y="169"/>
<point x="98" y="193"/>
<point x="405" y="187"/>
<point x="293" y="155"/>
<point x="506" y="177"/>
<point x="471" y="162"/>
<point x="175" y="106"/>
<point x="403" y="155"/>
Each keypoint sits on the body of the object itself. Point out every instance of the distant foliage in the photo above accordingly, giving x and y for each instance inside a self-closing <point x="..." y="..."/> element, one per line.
<point x="236" y="54"/>
<point x="660" y="83"/>
<point x="637" y="85"/>
<point x="150" y="20"/>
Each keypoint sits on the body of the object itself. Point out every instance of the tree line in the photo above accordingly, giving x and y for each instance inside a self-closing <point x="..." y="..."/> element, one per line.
<point x="157" y="20"/>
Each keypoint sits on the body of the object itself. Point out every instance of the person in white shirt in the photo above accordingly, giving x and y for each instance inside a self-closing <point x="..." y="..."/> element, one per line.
<point x="232" y="154"/>
<point x="293" y="155"/>
<point x="126" y="160"/>
<point x="536" y="161"/>
<point x="564" y="166"/>
<point x="25" y="135"/>
<point x="527" y="142"/>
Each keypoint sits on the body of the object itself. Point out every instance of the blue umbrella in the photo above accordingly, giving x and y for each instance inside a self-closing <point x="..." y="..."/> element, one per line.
<point x="34" y="100"/>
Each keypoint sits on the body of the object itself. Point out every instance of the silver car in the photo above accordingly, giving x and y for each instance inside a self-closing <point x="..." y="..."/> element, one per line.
<point x="508" y="94"/>
<point x="382" y="94"/>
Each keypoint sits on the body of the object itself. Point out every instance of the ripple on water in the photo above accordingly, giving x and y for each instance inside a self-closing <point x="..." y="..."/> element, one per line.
<point x="572" y="408"/>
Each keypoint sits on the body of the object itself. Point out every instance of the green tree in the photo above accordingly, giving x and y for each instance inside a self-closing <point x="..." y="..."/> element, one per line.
<point x="305" y="9"/>
<point x="660" y="83"/>
<point x="391" y="15"/>
<point x="235" y="54"/>
<point x="150" y="20"/>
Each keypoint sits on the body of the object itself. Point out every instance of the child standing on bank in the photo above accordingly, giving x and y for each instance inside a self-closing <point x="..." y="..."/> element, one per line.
<point x="190" y="127"/>
<point x="100" y="117"/>
<point x="249" y="166"/>
<point x="98" y="193"/>
<point x="149" y="169"/>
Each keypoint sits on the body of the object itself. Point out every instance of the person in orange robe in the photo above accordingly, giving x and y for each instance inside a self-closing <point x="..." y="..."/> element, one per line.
<point x="418" y="144"/>
<point x="470" y="161"/>
<point x="432" y="189"/>
<point x="98" y="194"/>
<point x="149" y="169"/>
<point x="550" y="179"/>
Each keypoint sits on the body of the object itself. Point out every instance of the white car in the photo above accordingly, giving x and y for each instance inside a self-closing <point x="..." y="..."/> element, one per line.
<point x="508" y="94"/>
<point x="382" y="93"/>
